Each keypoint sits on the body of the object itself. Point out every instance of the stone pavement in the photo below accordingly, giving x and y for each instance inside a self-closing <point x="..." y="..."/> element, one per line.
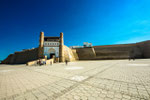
<point x="82" y="80"/>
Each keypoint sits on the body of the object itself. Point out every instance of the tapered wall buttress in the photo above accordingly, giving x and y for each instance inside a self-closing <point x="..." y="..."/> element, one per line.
<point x="41" y="46"/>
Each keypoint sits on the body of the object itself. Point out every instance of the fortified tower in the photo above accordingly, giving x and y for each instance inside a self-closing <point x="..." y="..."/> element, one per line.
<point x="61" y="48"/>
<point x="41" y="46"/>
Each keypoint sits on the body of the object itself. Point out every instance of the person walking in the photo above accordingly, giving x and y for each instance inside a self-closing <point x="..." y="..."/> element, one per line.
<point x="66" y="61"/>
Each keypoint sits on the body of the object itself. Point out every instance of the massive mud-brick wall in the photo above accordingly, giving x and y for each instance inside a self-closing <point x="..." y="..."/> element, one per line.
<point x="122" y="51"/>
<point x="141" y="50"/>
<point x="115" y="51"/>
<point x="25" y="56"/>
<point x="86" y="53"/>
<point x="22" y="57"/>
<point x="144" y="48"/>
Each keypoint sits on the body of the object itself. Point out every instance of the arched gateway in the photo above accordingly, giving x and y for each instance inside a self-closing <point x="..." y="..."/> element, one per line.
<point x="51" y="46"/>
<point x="51" y="52"/>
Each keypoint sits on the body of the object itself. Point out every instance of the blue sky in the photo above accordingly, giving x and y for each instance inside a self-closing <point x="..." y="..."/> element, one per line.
<point x="101" y="22"/>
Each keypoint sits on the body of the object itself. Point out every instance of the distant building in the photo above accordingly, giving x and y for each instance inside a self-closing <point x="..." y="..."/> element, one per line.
<point x="86" y="44"/>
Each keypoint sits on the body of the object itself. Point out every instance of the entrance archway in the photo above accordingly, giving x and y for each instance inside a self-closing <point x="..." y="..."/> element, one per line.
<point x="51" y="52"/>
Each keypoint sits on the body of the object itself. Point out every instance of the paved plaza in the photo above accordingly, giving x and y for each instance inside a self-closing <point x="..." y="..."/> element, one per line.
<point x="81" y="80"/>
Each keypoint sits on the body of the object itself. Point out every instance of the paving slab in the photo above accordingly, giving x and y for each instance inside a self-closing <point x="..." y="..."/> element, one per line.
<point x="81" y="80"/>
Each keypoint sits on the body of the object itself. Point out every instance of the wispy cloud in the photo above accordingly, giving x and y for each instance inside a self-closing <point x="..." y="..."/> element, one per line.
<point x="134" y="40"/>
<point x="141" y="31"/>
<point x="143" y="22"/>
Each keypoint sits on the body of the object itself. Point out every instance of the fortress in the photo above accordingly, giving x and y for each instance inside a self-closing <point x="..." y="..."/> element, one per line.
<point x="53" y="47"/>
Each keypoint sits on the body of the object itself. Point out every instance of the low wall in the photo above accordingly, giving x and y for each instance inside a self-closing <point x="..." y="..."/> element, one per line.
<point x="22" y="57"/>
<point x="48" y="62"/>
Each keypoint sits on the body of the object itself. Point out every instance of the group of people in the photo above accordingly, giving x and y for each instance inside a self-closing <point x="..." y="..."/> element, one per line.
<point x="40" y="62"/>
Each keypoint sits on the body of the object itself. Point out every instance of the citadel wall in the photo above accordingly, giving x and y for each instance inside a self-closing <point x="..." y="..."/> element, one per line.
<point x="144" y="48"/>
<point x="114" y="51"/>
<point x="122" y="51"/>
<point x="25" y="56"/>
<point x="86" y="53"/>
<point x="22" y="57"/>
<point x="141" y="50"/>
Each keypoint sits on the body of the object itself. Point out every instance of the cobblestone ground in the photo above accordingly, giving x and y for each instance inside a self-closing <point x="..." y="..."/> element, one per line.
<point x="82" y="80"/>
